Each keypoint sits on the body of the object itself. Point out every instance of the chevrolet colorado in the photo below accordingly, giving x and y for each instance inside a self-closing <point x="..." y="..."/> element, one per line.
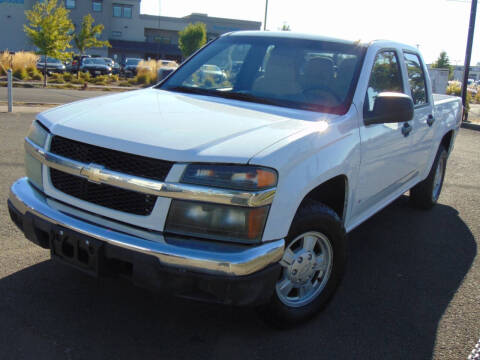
<point x="239" y="189"/>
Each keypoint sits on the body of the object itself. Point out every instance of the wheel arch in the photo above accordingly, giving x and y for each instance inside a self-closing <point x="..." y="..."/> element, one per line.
<point x="332" y="193"/>
<point x="447" y="140"/>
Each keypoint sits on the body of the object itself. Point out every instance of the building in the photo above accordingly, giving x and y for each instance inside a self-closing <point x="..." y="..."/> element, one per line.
<point x="130" y="33"/>
<point x="439" y="79"/>
<point x="473" y="73"/>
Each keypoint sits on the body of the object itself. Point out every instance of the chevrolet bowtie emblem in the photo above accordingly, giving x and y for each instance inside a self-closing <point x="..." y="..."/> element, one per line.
<point x="92" y="172"/>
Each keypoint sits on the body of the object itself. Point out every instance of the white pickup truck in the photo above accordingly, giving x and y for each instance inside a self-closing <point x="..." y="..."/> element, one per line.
<point x="239" y="189"/>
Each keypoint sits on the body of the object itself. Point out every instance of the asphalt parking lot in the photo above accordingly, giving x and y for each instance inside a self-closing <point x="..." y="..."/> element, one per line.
<point x="412" y="290"/>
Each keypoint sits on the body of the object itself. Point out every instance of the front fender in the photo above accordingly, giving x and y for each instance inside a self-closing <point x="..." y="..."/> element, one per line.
<point x="323" y="150"/>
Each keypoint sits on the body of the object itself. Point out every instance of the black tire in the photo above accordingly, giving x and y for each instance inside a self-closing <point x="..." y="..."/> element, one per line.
<point x="312" y="216"/>
<point x="423" y="195"/>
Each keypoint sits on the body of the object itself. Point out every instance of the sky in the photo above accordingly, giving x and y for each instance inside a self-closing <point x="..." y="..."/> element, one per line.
<point x="432" y="25"/>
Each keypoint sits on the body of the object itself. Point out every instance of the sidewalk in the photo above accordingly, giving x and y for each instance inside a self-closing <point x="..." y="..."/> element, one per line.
<point x="25" y="109"/>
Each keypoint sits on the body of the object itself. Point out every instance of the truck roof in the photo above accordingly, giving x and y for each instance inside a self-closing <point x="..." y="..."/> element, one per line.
<point x="307" y="36"/>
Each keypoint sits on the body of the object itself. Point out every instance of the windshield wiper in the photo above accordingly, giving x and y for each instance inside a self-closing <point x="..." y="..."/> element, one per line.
<point x="190" y="90"/>
<point x="225" y="94"/>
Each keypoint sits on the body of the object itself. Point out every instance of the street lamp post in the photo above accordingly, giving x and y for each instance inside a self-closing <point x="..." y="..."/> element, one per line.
<point x="468" y="53"/>
<point x="265" y="20"/>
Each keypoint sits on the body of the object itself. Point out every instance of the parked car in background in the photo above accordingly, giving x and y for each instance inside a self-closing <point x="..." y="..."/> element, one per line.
<point x="168" y="64"/>
<point x="76" y="62"/>
<point x="163" y="73"/>
<point x="213" y="71"/>
<point x="113" y="64"/>
<point x="53" y="65"/>
<point x="96" y="66"/>
<point x="130" y="67"/>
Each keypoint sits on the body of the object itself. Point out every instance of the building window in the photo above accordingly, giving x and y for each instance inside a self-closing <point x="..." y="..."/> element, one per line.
<point x="120" y="10"/>
<point x="97" y="5"/>
<point x="116" y="34"/>
<point x="117" y="11"/>
<point x="127" y="11"/>
<point x="70" y="4"/>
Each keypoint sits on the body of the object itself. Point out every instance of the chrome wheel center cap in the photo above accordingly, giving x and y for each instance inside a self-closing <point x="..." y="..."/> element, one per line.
<point x="302" y="268"/>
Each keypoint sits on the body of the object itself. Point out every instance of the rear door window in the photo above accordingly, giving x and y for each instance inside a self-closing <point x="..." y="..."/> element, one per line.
<point x="416" y="78"/>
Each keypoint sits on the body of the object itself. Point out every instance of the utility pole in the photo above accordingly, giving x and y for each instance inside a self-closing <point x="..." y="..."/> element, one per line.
<point x="468" y="53"/>
<point x="265" y="21"/>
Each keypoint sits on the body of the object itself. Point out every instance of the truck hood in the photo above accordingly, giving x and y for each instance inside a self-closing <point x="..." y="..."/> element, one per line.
<point x="177" y="127"/>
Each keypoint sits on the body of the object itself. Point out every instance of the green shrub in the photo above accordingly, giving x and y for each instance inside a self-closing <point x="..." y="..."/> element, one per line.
<point x="142" y="79"/>
<point x="37" y="76"/>
<point x="100" y="79"/>
<point x="85" y="76"/>
<point x="34" y="74"/>
<point x="77" y="81"/>
<point x="67" y="77"/>
<point x="476" y="99"/>
<point x="455" y="89"/>
<point x="114" y="78"/>
<point x="125" y="83"/>
<point x="31" y="71"/>
<point x="20" y="74"/>
<point x="99" y="82"/>
<point x="57" y="78"/>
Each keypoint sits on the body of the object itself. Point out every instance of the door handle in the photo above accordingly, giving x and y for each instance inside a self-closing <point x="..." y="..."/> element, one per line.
<point x="430" y="120"/>
<point x="406" y="128"/>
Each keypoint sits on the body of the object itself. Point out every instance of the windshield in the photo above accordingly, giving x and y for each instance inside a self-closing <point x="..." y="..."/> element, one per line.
<point x="292" y="72"/>
<point x="132" y="61"/>
<point x="49" y="59"/>
<point x="94" y="61"/>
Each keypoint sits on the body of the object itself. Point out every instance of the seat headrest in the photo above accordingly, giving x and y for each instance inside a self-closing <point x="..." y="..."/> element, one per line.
<point x="319" y="68"/>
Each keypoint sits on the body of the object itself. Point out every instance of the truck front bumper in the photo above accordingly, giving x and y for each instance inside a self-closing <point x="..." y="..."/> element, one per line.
<point x="212" y="271"/>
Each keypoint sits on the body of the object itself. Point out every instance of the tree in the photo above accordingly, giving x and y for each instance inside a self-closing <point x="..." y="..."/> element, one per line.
<point x="50" y="29"/>
<point x="443" y="62"/>
<point x="87" y="36"/>
<point x="192" y="38"/>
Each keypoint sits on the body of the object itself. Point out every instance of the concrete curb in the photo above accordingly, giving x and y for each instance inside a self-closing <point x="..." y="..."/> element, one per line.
<point x="470" y="126"/>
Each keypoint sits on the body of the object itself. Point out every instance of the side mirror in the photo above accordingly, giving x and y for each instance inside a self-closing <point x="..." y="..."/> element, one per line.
<point x="389" y="107"/>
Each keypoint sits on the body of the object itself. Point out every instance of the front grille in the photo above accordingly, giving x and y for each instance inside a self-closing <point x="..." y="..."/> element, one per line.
<point x="105" y="195"/>
<point x="111" y="159"/>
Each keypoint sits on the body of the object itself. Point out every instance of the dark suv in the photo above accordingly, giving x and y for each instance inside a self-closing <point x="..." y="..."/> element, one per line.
<point x="77" y="61"/>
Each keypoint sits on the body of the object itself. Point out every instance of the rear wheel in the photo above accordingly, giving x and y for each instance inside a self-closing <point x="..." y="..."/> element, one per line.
<point x="426" y="193"/>
<point x="312" y="266"/>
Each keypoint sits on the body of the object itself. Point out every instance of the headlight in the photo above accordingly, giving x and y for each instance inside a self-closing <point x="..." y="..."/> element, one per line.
<point x="240" y="177"/>
<point x="38" y="134"/>
<point x="33" y="168"/>
<point x="218" y="222"/>
<point x="222" y="222"/>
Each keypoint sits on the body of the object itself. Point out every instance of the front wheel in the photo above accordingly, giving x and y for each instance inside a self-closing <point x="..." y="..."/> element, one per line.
<point x="425" y="194"/>
<point x="312" y="266"/>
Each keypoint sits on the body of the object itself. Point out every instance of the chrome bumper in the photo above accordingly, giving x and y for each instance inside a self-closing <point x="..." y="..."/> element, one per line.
<point x="216" y="258"/>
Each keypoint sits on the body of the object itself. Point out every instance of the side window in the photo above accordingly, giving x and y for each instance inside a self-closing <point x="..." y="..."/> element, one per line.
<point x="385" y="76"/>
<point x="416" y="78"/>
